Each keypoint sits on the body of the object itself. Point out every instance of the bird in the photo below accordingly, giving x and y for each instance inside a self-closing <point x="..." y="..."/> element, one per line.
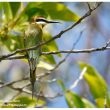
<point x="33" y="36"/>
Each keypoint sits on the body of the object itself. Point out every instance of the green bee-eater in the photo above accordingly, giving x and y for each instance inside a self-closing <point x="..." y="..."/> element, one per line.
<point x="33" y="37"/>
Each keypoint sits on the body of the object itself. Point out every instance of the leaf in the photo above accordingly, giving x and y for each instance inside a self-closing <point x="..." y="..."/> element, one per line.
<point x="52" y="46"/>
<point x="14" y="7"/>
<point x="12" y="42"/>
<point x="108" y="100"/>
<point x="24" y="102"/>
<point x="103" y="102"/>
<point x="54" y="10"/>
<point x="7" y="11"/>
<point x="87" y="103"/>
<point x="49" y="58"/>
<point x="97" y="84"/>
<point x="45" y="65"/>
<point x="35" y="11"/>
<point x="100" y="102"/>
<point x="59" y="11"/>
<point x="60" y="82"/>
<point x="73" y="100"/>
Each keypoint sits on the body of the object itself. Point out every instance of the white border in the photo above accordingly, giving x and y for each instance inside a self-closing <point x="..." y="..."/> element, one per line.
<point x="55" y="0"/>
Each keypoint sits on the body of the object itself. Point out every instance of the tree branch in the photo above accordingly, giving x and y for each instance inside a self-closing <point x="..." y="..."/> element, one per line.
<point x="54" y="38"/>
<point x="105" y="47"/>
<point x="78" y="51"/>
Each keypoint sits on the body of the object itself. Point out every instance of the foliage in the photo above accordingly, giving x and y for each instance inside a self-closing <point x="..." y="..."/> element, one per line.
<point x="98" y="88"/>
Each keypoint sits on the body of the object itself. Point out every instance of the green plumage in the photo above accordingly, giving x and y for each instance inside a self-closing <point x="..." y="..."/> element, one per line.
<point x="33" y="37"/>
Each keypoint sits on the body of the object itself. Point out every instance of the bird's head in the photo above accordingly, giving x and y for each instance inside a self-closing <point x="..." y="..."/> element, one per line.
<point x="42" y="21"/>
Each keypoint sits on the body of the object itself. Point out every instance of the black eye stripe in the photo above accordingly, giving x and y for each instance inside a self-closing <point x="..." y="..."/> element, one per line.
<point x="40" y="20"/>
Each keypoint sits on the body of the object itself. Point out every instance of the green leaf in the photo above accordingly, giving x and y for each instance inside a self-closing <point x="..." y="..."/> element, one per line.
<point x="87" y="103"/>
<point x="24" y="102"/>
<point x="12" y="42"/>
<point x="100" y="102"/>
<point x="103" y="102"/>
<point x="59" y="11"/>
<point x="108" y="100"/>
<point x="73" y="100"/>
<point x="60" y="82"/>
<point x="7" y="11"/>
<point x="52" y="46"/>
<point x="54" y="10"/>
<point x="97" y="84"/>
<point x="48" y="58"/>
<point x="1" y="7"/>
<point x="14" y="7"/>
<point x="45" y="65"/>
<point x="35" y="11"/>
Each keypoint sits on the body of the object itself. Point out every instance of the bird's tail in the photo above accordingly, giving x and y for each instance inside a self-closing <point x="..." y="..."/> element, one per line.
<point x="33" y="64"/>
<point x="32" y="80"/>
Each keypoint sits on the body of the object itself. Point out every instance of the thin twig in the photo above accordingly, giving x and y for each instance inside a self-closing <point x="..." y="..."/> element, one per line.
<point x="68" y="54"/>
<point x="11" y="83"/>
<point x="91" y="50"/>
<point x="78" y="51"/>
<point x="88" y="6"/>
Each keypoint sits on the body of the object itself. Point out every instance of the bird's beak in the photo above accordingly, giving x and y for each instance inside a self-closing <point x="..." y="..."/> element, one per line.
<point x="53" y="22"/>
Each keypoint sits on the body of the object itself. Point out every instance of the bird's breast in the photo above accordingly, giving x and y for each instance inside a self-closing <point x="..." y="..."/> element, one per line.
<point x="33" y="35"/>
<point x="34" y="31"/>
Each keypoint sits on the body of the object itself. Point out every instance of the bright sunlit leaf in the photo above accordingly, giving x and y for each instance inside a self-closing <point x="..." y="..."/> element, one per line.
<point x="45" y="65"/>
<point x="73" y="100"/>
<point x="7" y="11"/>
<point x="87" y="103"/>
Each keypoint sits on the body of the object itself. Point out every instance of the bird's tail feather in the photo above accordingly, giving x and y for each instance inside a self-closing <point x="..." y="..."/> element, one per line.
<point x="33" y="64"/>
<point x="32" y="74"/>
<point x="32" y="84"/>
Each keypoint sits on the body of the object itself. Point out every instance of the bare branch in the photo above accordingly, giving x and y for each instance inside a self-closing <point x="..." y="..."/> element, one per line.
<point x="78" y="51"/>
<point x="88" y="6"/>
<point x="91" y="50"/>
<point x="16" y="57"/>
<point x="103" y="48"/>
<point x="11" y="83"/>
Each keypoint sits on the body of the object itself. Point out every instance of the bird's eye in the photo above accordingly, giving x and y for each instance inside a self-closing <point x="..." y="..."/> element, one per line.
<point x="37" y="20"/>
